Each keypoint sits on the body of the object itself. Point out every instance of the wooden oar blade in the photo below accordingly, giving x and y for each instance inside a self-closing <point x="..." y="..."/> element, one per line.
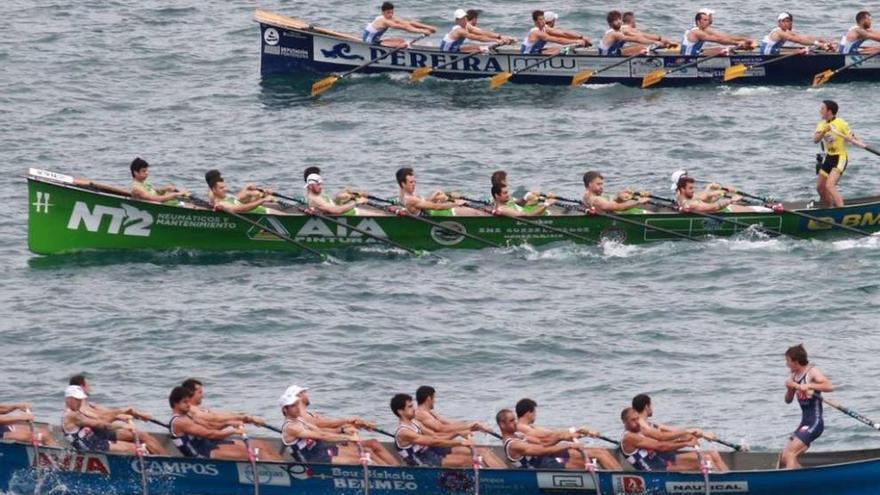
<point x="499" y="79"/>
<point x="653" y="78"/>
<point x="734" y="71"/>
<point x="581" y="77"/>
<point x="420" y="73"/>
<point x="822" y="77"/>
<point x="323" y="85"/>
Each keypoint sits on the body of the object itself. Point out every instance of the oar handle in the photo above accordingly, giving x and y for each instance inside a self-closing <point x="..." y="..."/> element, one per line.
<point x="492" y="433"/>
<point x="270" y="427"/>
<point x="737" y="447"/>
<point x="157" y="422"/>
<point x="383" y="432"/>
<point x="607" y="439"/>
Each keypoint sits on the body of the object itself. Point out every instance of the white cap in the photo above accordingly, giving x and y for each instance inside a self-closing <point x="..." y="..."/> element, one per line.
<point x="295" y="390"/>
<point x="783" y="16"/>
<point x="706" y="11"/>
<point x="676" y="176"/>
<point x="313" y="179"/>
<point x="550" y="16"/>
<point x="76" y="392"/>
<point x="460" y="13"/>
<point x="287" y="399"/>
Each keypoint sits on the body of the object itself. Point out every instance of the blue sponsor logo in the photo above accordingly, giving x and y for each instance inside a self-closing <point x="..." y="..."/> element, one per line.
<point x="341" y="50"/>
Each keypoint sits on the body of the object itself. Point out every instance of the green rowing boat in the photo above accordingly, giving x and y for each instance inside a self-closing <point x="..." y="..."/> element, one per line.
<point x="68" y="215"/>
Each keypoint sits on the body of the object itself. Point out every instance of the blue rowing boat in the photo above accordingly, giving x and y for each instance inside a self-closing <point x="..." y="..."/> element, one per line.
<point x="292" y="47"/>
<point x="854" y="472"/>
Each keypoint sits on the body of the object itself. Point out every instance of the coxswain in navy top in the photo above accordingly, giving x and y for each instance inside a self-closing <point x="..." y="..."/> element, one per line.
<point x="812" y="423"/>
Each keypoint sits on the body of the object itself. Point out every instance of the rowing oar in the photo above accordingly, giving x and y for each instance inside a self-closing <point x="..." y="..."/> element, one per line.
<point x="779" y="208"/>
<point x="315" y="213"/>
<point x="139" y="450"/>
<point x="325" y="257"/>
<point x="590" y="466"/>
<point x="656" y="76"/>
<point x="704" y="468"/>
<point x="400" y="211"/>
<point x="673" y="206"/>
<point x="328" y="82"/>
<point x="501" y="78"/>
<point x="849" y="412"/>
<point x="365" y="463"/>
<point x="475" y="463"/>
<point x="35" y="441"/>
<point x="157" y="422"/>
<point x="582" y="76"/>
<point x="823" y="77"/>
<point x="712" y="438"/>
<point x="609" y="440"/>
<point x="423" y="72"/>
<point x="739" y="70"/>
<point x="252" y="458"/>
<point x="592" y="211"/>
<point x="531" y="223"/>
<point x="859" y="145"/>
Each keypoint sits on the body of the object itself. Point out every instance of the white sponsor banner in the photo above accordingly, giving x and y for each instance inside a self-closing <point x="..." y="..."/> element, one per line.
<point x="269" y="474"/>
<point x="566" y="480"/>
<point x="699" y="487"/>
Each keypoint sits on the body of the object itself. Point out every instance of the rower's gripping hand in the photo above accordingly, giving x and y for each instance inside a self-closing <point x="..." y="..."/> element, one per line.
<point x="255" y="420"/>
<point x="24" y="407"/>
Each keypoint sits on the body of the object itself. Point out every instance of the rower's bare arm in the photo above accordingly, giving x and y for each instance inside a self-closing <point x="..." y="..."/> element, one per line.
<point x="651" y="444"/>
<point x="18" y="418"/>
<point x="323" y="435"/>
<point x="164" y="195"/>
<point x="533" y="449"/>
<point x="432" y="441"/>
<point x="6" y="409"/>
<point x="80" y="419"/>
<point x="819" y="382"/>
<point x="869" y="34"/>
<point x="188" y="427"/>
<point x="330" y="208"/>
<point x="554" y="39"/>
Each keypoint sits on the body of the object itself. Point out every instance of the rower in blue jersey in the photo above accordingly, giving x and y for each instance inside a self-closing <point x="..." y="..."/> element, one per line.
<point x="612" y="42"/>
<point x="629" y="27"/>
<point x="776" y="38"/>
<point x="429" y="419"/>
<point x="806" y="383"/>
<point x="11" y="425"/>
<point x="376" y="29"/>
<point x="89" y="432"/>
<point x="595" y="197"/>
<point x="694" y="38"/>
<point x="647" y="454"/>
<point x="851" y="42"/>
<point x="379" y="454"/>
<point x="204" y="439"/>
<point x="536" y="40"/>
<point x="143" y="190"/>
<point x="418" y="446"/>
<point x="530" y="453"/>
<point x="527" y="413"/>
<point x="641" y="403"/>
<point x="454" y="40"/>
<point x="309" y="444"/>
<point x="102" y="413"/>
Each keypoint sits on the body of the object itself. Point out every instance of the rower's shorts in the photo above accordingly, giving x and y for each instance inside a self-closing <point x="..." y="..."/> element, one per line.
<point x="829" y="163"/>
<point x="806" y="433"/>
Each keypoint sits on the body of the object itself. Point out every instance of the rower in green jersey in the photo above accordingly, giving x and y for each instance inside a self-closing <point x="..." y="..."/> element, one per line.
<point x="437" y="205"/>
<point x="141" y="189"/>
<point x="322" y="202"/>
<point x="249" y="200"/>
<point x="504" y="205"/>
<point x="595" y="197"/>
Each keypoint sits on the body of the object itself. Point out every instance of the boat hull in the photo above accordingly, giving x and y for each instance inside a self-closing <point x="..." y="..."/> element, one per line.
<point x="66" y="218"/>
<point x="63" y="471"/>
<point x="289" y="51"/>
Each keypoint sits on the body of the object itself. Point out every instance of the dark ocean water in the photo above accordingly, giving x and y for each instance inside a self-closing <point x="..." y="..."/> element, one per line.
<point x="85" y="86"/>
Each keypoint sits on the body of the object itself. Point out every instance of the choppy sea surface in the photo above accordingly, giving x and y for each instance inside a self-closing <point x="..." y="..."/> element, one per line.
<point x="86" y="86"/>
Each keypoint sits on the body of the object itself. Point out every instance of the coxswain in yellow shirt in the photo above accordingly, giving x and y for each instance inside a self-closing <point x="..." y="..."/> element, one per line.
<point x="832" y="134"/>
